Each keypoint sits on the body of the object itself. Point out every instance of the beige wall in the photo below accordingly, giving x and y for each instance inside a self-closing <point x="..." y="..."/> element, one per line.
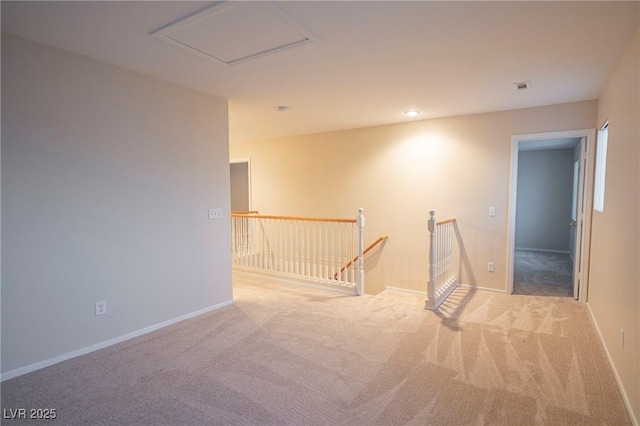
<point x="106" y="179"/>
<point x="614" y="286"/>
<point x="458" y="166"/>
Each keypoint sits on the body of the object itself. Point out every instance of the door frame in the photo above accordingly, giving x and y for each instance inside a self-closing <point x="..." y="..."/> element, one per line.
<point x="248" y="162"/>
<point x="587" y="161"/>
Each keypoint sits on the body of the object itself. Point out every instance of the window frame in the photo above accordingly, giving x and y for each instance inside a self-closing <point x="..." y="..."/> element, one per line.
<point x="601" y="168"/>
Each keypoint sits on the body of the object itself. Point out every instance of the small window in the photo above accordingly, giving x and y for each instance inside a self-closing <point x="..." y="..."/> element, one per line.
<point x="601" y="168"/>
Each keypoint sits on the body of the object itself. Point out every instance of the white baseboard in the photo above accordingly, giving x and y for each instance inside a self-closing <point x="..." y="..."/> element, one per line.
<point x="462" y="286"/>
<point x="625" y="397"/>
<point x="487" y="289"/>
<point x="300" y="282"/>
<point x="543" y="250"/>
<point x="92" y="348"/>
<point x="405" y="290"/>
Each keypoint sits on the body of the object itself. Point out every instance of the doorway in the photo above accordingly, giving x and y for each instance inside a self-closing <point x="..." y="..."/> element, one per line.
<point x="548" y="213"/>
<point x="240" y="181"/>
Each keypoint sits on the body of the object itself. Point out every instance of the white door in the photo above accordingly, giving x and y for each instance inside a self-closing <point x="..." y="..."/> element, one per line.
<point x="577" y="221"/>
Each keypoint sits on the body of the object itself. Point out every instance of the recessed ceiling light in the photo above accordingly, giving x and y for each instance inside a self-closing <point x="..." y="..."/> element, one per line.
<point x="412" y="113"/>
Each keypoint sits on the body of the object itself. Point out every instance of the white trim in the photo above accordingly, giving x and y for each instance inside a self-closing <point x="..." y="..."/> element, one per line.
<point x="625" y="397"/>
<point x="240" y="160"/>
<point x="92" y="348"/>
<point x="600" y="168"/>
<point x="300" y="282"/>
<point x="487" y="289"/>
<point x="588" y="159"/>
<point x="460" y="286"/>
<point x="407" y="291"/>
<point x="543" y="250"/>
<point x="589" y="135"/>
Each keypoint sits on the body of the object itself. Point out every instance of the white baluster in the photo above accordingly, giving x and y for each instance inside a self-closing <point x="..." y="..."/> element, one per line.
<point x="249" y="241"/>
<point x="243" y="236"/>
<point x="352" y="268"/>
<point x="341" y="258"/>
<point x="307" y="267"/>
<point x="449" y="252"/>
<point x="431" y="285"/>
<point x="314" y="255"/>
<point x="273" y="245"/>
<point x="332" y="270"/>
<point x="360" y="222"/>
<point x="296" y="248"/>
<point x="264" y="241"/>
<point x="280" y="233"/>
<point x="287" y="246"/>
<point x="325" y="250"/>
<point x="292" y="247"/>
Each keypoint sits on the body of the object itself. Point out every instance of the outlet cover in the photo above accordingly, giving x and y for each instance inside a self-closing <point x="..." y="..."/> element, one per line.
<point x="491" y="267"/>
<point x="101" y="307"/>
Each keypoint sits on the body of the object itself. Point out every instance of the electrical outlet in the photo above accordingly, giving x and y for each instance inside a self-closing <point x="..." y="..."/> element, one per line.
<point x="491" y="266"/>
<point x="621" y="338"/>
<point x="492" y="211"/>
<point x="101" y="307"/>
<point x="215" y="213"/>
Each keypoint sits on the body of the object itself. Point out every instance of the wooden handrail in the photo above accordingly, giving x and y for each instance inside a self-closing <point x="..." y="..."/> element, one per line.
<point x="442" y="222"/>
<point x="244" y="212"/>
<point x="308" y="219"/>
<point x="355" y="259"/>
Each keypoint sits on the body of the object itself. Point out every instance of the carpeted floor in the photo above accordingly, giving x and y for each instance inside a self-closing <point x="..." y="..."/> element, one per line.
<point x="291" y="355"/>
<point x="543" y="273"/>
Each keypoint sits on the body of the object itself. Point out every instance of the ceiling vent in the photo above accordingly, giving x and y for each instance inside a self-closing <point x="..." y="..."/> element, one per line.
<point x="232" y="32"/>
<point x="523" y="85"/>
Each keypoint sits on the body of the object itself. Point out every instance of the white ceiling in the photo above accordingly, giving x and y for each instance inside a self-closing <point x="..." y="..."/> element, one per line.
<point x="371" y="61"/>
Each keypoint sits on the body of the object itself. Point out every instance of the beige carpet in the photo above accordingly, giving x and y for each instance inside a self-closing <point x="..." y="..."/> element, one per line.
<point x="293" y="355"/>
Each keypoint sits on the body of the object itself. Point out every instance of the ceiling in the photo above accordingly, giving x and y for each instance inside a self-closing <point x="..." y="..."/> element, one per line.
<point x="361" y="63"/>
<point x="539" y="145"/>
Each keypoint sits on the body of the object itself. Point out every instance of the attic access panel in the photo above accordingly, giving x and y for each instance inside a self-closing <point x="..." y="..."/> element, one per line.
<point x="232" y="32"/>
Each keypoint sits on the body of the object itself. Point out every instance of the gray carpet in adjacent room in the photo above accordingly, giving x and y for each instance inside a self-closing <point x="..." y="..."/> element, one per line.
<point x="298" y="356"/>
<point x="542" y="273"/>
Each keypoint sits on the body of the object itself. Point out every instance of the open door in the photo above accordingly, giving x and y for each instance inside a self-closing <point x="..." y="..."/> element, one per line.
<point x="583" y="200"/>
<point x="578" y="212"/>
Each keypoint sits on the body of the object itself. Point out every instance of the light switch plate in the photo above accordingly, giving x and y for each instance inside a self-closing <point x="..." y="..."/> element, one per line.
<point x="215" y="213"/>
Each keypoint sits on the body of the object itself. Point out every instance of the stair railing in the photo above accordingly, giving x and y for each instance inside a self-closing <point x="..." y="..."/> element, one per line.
<point x="442" y="279"/>
<point x="310" y="250"/>
<point x="367" y="250"/>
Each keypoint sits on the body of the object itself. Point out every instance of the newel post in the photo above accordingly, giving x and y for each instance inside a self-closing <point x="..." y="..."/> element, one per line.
<point x="360" y="282"/>
<point x="431" y="285"/>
